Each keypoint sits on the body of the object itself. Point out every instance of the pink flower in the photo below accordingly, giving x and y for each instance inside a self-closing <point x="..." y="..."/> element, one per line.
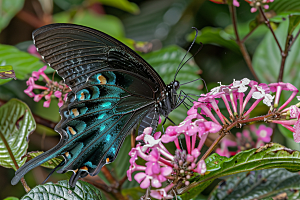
<point x="32" y="50"/>
<point x="51" y="87"/>
<point x="264" y="133"/>
<point x="223" y="151"/>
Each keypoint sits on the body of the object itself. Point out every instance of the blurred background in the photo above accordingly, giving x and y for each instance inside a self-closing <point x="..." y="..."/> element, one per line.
<point x="160" y="23"/>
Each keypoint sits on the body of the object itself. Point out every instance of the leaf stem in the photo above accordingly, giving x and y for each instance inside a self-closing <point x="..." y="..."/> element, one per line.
<point x="26" y="187"/>
<point x="240" y="43"/>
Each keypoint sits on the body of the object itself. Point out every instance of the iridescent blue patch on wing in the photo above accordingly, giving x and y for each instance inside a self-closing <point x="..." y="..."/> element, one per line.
<point x="90" y="164"/>
<point x="83" y="110"/>
<point x="106" y="105"/>
<point x="101" y="116"/>
<point x="96" y="92"/>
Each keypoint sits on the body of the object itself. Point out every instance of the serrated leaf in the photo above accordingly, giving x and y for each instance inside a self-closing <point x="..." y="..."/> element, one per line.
<point x="216" y="36"/>
<point x="51" y="164"/>
<point x="267" y="58"/>
<point x="257" y="185"/>
<point x="122" y="4"/>
<point x="269" y="156"/>
<point x="16" y="124"/>
<point x="165" y="62"/>
<point x="8" y="9"/>
<point x="62" y="191"/>
<point x="22" y="62"/>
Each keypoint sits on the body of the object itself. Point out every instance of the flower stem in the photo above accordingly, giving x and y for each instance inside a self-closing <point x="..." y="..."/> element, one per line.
<point x="240" y="43"/>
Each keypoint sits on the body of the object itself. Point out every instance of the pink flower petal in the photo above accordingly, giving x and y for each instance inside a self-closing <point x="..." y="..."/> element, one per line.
<point x="166" y="171"/>
<point x="146" y="183"/>
<point x="60" y="103"/>
<point x="38" y="97"/>
<point x="156" y="183"/>
<point x="57" y="94"/>
<point x="195" y="153"/>
<point x="296" y="134"/>
<point x="47" y="103"/>
<point x="201" y="168"/>
<point x="140" y="176"/>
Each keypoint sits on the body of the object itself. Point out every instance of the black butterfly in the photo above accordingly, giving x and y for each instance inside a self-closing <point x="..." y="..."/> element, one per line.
<point x="113" y="89"/>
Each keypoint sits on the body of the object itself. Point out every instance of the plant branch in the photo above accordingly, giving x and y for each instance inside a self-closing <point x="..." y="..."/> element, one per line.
<point x="267" y="22"/>
<point x="240" y="43"/>
<point x="246" y="37"/>
<point x="30" y="19"/>
<point x="296" y="36"/>
<point x="108" y="175"/>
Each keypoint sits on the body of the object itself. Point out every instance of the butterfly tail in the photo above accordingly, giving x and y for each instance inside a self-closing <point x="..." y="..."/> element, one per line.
<point x="52" y="153"/>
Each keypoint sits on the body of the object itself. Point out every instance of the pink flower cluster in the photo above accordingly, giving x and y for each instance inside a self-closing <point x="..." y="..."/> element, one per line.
<point x="161" y="165"/>
<point x="51" y="89"/>
<point x="179" y="167"/>
<point x="244" y="140"/>
<point x="255" y="4"/>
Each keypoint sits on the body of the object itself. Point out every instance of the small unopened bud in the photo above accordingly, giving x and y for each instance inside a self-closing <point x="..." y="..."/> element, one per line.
<point x="187" y="183"/>
<point x="180" y="162"/>
<point x="175" y="166"/>
<point x="181" y="171"/>
<point x="188" y="177"/>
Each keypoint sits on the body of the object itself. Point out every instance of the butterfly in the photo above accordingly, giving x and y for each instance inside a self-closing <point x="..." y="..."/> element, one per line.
<point x="113" y="90"/>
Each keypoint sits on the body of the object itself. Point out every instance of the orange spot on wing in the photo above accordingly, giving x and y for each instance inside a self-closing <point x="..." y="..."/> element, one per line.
<point x="67" y="154"/>
<point x="71" y="130"/>
<point x="84" y="168"/>
<point x="107" y="160"/>
<point x="102" y="79"/>
<point x="82" y="96"/>
<point x="75" y="112"/>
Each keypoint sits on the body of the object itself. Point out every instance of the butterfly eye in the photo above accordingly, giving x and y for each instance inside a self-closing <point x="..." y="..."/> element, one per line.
<point x="176" y="85"/>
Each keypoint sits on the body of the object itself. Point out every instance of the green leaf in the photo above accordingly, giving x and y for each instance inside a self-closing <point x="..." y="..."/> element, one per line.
<point x="269" y="156"/>
<point x="123" y="5"/>
<point x="51" y="164"/>
<point x="267" y="58"/>
<point x="11" y="198"/>
<point x="284" y="5"/>
<point x="280" y="17"/>
<point x="8" y="9"/>
<point x="165" y="61"/>
<point x="22" y="62"/>
<point x="62" y="191"/>
<point x="294" y="21"/>
<point x="6" y="71"/>
<point x="257" y="185"/>
<point x="134" y="193"/>
<point x="16" y="124"/>
<point x="108" y="24"/>
<point x="287" y="133"/>
<point x="217" y="36"/>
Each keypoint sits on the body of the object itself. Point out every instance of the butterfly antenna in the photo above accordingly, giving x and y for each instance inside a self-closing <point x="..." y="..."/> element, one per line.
<point x="179" y="66"/>
<point x="58" y="166"/>
<point x="189" y="59"/>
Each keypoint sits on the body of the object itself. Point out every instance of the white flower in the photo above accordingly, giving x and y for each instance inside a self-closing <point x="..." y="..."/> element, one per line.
<point x="241" y="85"/>
<point x="268" y="99"/>
<point x="150" y="142"/>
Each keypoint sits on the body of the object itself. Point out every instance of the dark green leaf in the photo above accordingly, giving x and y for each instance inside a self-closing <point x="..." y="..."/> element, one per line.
<point x="134" y="193"/>
<point x="217" y="36"/>
<point x="106" y="23"/>
<point x="285" y="132"/>
<point x="6" y="71"/>
<point x="269" y="156"/>
<point x="8" y="9"/>
<point x="284" y="5"/>
<point x="16" y="124"/>
<point x="267" y="58"/>
<point x="165" y="62"/>
<point x="257" y="185"/>
<point x="122" y="4"/>
<point x="294" y="21"/>
<point x="49" y="164"/>
<point x="62" y="191"/>
<point x="22" y="62"/>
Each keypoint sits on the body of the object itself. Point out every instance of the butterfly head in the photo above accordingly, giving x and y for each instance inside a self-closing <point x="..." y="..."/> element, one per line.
<point x="176" y="85"/>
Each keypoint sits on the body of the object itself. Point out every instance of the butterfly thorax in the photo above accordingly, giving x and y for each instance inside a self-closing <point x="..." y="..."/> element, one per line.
<point x="168" y="100"/>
